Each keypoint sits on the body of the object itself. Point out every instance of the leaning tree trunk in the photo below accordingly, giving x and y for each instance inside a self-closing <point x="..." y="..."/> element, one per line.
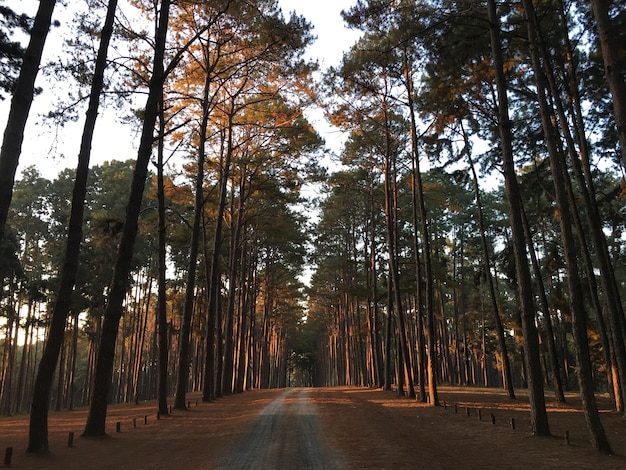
<point x="581" y="167"/>
<point x="96" y="419"/>
<point x="538" y="414"/>
<point x="614" y="73"/>
<point x="38" y="430"/>
<point x="20" y="107"/>
<point x="576" y="301"/>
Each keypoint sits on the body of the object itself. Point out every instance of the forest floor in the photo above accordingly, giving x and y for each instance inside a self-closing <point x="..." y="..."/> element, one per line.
<point x="361" y="429"/>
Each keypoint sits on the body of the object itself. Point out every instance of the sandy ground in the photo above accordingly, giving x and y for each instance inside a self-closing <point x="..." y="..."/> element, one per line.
<point x="356" y="428"/>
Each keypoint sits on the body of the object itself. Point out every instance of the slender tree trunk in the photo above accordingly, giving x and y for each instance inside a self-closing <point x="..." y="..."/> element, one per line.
<point x="38" y="430"/>
<point x="235" y="253"/>
<point x="161" y="313"/>
<point x="539" y="417"/>
<point x="96" y="419"/>
<point x="594" y="224"/>
<point x="182" y="381"/>
<point x="429" y="286"/>
<point x="208" y="385"/>
<point x="394" y="278"/>
<point x="428" y="290"/>
<point x="214" y="280"/>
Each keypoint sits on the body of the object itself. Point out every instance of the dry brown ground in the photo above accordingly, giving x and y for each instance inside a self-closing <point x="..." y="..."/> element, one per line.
<point x="370" y="428"/>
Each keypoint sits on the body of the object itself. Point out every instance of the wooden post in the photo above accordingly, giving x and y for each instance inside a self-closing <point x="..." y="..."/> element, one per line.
<point x="445" y="406"/>
<point x="158" y="415"/>
<point x="145" y="419"/>
<point x="134" y="422"/>
<point x="8" y="456"/>
<point x="118" y="426"/>
<point x="493" y="418"/>
<point x="456" y="409"/>
<point x="170" y="409"/>
<point x="513" y="423"/>
<point x="567" y="438"/>
<point x="70" y="440"/>
<point x="480" y="414"/>
<point x="467" y="411"/>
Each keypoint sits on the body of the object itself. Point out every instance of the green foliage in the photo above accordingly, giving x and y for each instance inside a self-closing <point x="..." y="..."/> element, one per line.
<point x="11" y="51"/>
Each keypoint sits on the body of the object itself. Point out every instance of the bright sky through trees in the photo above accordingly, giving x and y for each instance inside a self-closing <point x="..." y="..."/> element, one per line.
<point x="52" y="149"/>
<point x="332" y="37"/>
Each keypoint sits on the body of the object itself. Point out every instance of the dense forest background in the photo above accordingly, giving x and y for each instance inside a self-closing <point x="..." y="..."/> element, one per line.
<point x="470" y="229"/>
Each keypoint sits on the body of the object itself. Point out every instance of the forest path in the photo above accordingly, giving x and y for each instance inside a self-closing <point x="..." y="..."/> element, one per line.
<point x="285" y="435"/>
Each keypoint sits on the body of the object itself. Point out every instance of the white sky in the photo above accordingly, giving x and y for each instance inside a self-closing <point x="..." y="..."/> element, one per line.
<point x="54" y="149"/>
<point x="325" y="15"/>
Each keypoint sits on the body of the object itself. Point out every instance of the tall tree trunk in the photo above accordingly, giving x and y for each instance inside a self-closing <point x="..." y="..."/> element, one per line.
<point x="208" y="385"/>
<point x="373" y="288"/>
<point x="613" y="58"/>
<point x="20" y="107"/>
<point x="161" y="311"/>
<point x="38" y="429"/>
<point x="96" y="419"/>
<point x="581" y="165"/>
<point x="428" y="288"/>
<point x="428" y="275"/>
<point x="538" y="415"/>
<point x="214" y="279"/>
<point x="235" y="253"/>
<point x="394" y="279"/>
<point x="575" y="295"/>
<point x="182" y="381"/>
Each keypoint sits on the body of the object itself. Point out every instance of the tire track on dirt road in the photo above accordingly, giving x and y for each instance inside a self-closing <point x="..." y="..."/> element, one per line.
<point x="285" y="435"/>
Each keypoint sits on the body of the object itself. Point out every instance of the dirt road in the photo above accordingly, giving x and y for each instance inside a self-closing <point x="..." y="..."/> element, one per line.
<point x="331" y="428"/>
<point x="286" y="435"/>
